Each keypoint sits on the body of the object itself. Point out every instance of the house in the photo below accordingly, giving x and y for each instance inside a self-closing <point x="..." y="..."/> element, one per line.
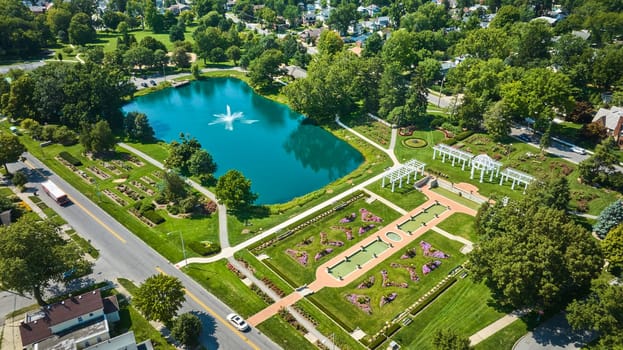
<point x="178" y="8"/>
<point x="75" y="323"/>
<point x="295" y="72"/>
<point x="370" y="11"/>
<point x="549" y="20"/>
<point x="612" y="120"/>
<point x="308" y="18"/>
<point x="310" y="36"/>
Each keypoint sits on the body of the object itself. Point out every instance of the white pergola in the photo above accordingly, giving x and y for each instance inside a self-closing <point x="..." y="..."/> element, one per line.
<point x="405" y="170"/>
<point x="517" y="177"/>
<point x="485" y="164"/>
<point x="453" y="153"/>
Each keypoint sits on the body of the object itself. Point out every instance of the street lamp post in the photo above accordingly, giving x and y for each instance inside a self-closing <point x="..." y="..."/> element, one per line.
<point x="181" y="240"/>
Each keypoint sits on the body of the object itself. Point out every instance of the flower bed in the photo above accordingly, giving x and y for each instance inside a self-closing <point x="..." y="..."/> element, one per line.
<point x="299" y="256"/>
<point x="361" y="301"/>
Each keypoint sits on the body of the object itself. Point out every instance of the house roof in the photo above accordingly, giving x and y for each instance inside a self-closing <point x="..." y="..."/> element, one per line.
<point x="610" y="117"/>
<point x="37" y="328"/>
<point x="110" y="304"/>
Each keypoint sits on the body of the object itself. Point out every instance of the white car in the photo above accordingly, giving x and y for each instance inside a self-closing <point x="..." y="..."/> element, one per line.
<point x="578" y="150"/>
<point x="238" y="322"/>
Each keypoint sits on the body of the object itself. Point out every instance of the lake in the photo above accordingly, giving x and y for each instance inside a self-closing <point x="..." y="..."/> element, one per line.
<point x="283" y="156"/>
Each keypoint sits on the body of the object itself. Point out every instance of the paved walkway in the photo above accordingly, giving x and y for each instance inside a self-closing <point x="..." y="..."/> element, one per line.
<point x="495" y="327"/>
<point x="222" y="210"/>
<point x="389" y="152"/>
<point x="325" y="279"/>
<point x="385" y="201"/>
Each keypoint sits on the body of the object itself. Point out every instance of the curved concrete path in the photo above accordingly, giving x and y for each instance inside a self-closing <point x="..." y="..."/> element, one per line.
<point x="389" y="152"/>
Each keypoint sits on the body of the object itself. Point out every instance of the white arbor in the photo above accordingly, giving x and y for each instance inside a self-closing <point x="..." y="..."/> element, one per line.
<point x="405" y="170"/>
<point x="452" y="153"/>
<point x="485" y="164"/>
<point x="517" y="177"/>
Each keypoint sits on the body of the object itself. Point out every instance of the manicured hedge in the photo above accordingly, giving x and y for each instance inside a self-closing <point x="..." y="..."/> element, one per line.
<point x="70" y="159"/>
<point x="276" y="270"/>
<point x="392" y="329"/>
<point x="433" y="296"/>
<point x="449" y="142"/>
<point x="153" y="217"/>
<point x="463" y="135"/>
<point x="374" y="343"/>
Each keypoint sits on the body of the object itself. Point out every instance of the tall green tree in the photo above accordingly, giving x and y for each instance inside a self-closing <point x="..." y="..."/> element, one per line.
<point x="447" y="339"/>
<point x="601" y="311"/>
<point x="343" y="16"/>
<point x="80" y="30"/>
<point x="186" y="329"/>
<point x="137" y="127"/>
<point x="329" y="43"/>
<point x="599" y="167"/>
<point x="10" y="149"/>
<point x="33" y="255"/>
<point x="609" y="218"/>
<point x="159" y="298"/>
<point x="234" y="190"/>
<point x="201" y="163"/>
<point x="527" y="263"/>
<point x="265" y="68"/>
<point x="612" y="247"/>
<point x="97" y="138"/>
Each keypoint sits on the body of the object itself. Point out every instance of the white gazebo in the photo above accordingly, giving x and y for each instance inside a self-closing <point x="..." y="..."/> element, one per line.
<point x="517" y="176"/>
<point x="405" y="170"/>
<point x="452" y="153"/>
<point x="485" y="164"/>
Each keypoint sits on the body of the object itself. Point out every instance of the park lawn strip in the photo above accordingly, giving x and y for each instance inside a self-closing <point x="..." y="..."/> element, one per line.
<point x="335" y="302"/>
<point x="6" y="192"/>
<point x="370" y="128"/>
<point x="132" y="320"/>
<point x="464" y="308"/>
<point x="505" y="338"/>
<point x="226" y="286"/>
<point x="263" y="271"/>
<point x="158" y="150"/>
<point x="195" y="229"/>
<point x="83" y="244"/>
<point x="455" y="197"/>
<point x="300" y="274"/>
<point x="460" y="224"/>
<point x="108" y="40"/>
<point x="407" y="197"/>
<point x="283" y="334"/>
<point x="329" y="328"/>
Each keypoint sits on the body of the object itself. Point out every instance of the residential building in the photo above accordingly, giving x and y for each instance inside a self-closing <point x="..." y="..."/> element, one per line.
<point x="612" y="120"/>
<point x="75" y="323"/>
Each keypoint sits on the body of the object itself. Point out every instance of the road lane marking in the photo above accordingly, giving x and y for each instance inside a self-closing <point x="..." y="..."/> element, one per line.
<point x="215" y="315"/>
<point x="87" y="211"/>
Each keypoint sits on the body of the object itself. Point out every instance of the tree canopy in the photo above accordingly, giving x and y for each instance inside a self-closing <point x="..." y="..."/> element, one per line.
<point x="33" y="255"/>
<point x="609" y="218"/>
<point x="189" y="158"/>
<point x="612" y="247"/>
<point x="10" y="149"/>
<point x="234" y="190"/>
<point x="186" y="329"/>
<point x="159" y="298"/>
<point x="527" y="263"/>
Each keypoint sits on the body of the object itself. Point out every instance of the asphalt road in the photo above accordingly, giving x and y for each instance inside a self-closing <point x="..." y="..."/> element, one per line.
<point x="554" y="334"/>
<point x="124" y="255"/>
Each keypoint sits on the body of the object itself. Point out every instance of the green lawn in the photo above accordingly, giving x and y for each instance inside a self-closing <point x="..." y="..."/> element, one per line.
<point x="335" y="299"/>
<point x="464" y="308"/>
<point x="262" y="271"/>
<point x="169" y="245"/>
<point x="226" y="286"/>
<point x="455" y="197"/>
<point x="460" y="224"/>
<point x="308" y="240"/>
<point x="109" y="40"/>
<point x="370" y="128"/>
<point x="512" y="154"/>
<point x="328" y="327"/>
<point x="505" y="338"/>
<point x="406" y="197"/>
<point x="159" y="150"/>
<point x="284" y="335"/>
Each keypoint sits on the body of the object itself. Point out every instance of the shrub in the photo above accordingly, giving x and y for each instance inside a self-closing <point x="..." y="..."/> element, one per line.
<point x="437" y="122"/>
<point x="204" y="248"/>
<point x="153" y="217"/>
<point x="433" y="296"/>
<point x="463" y="135"/>
<point x="449" y="142"/>
<point x="375" y="342"/>
<point x="70" y="159"/>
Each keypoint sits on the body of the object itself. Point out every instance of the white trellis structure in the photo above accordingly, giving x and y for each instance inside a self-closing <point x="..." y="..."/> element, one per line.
<point x="452" y="153"/>
<point x="485" y="164"/>
<point x="517" y="176"/>
<point x="405" y="170"/>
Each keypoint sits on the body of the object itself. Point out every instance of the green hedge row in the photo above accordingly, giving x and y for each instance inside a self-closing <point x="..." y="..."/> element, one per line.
<point x="153" y="217"/>
<point x="463" y="135"/>
<point x="374" y="343"/>
<point x="322" y="308"/>
<point x="433" y="296"/>
<point x="204" y="248"/>
<point x="70" y="159"/>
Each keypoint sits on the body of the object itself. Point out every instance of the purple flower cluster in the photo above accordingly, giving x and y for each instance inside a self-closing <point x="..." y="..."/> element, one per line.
<point x="336" y="243"/>
<point x="428" y="267"/>
<point x="430" y="251"/>
<point x="366" y="284"/>
<point x="410" y="253"/>
<point x="364" y="229"/>
<point x="388" y="298"/>
<point x="322" y="253"/>
<point x="348" y="218"/>
<point x="299" y="256"/>
<point x="361" y="301"/>
<point x="368" y="216"/>
<point x="347" y="230"/>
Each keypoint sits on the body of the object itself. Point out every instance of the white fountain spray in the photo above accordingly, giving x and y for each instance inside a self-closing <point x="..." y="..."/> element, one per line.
<point x="229" y="118"/>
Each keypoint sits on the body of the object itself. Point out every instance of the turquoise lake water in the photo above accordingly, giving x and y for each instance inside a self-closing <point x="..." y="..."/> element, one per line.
<point x="284" y="157"/>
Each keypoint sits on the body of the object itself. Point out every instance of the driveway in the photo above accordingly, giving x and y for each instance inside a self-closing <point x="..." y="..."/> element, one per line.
<point x="554" y="334"/>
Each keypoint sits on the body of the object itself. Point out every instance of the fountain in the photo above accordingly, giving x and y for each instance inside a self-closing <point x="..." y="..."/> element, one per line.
<point x="229" y="118"/>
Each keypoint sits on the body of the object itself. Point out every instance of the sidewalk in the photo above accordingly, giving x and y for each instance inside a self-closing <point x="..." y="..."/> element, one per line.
<point x="495" y="327"/>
